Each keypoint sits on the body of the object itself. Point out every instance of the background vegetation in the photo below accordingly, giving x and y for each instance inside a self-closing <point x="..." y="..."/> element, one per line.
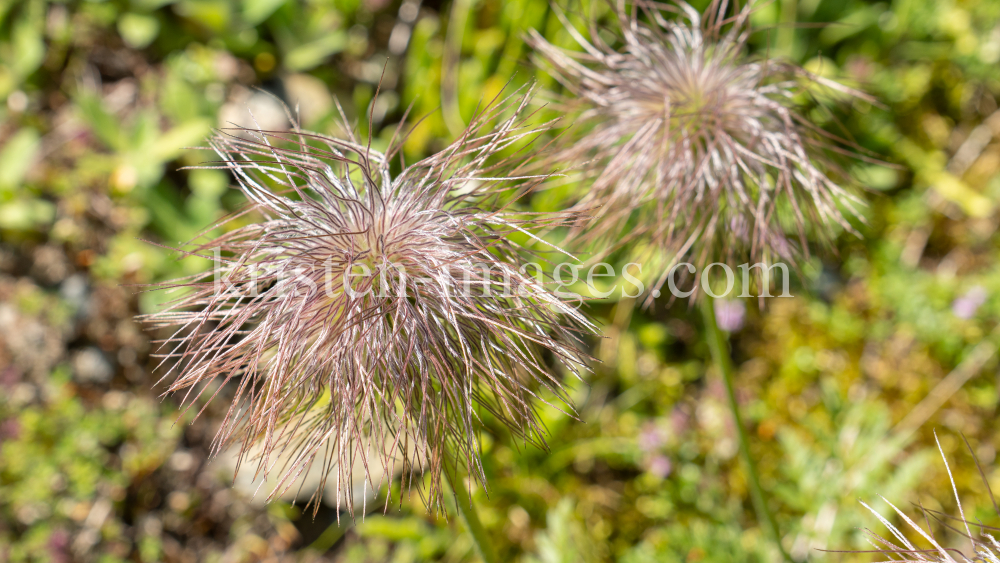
<point x="888" y="338"/>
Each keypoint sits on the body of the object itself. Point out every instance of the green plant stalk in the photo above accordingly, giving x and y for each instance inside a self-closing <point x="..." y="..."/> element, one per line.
<point x="450" y="63"/>
<point x="786" y="31"/>
<point x="720" y="355"/>
<point x="467" y="511"/>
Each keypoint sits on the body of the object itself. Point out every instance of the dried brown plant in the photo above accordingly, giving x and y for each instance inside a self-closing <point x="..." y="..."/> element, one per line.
<point x="983" y="546"/>
<point x="371" y="317"/>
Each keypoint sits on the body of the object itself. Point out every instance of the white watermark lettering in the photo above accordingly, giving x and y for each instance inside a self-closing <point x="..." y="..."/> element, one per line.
<point x="475" y="281"/>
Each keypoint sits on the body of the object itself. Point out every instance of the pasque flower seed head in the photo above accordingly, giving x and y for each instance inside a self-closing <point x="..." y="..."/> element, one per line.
<point x="690" y="143"/>
<point x="371" y="316"/>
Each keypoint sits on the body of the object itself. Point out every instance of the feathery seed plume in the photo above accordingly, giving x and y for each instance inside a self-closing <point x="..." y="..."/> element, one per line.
<point x="694" y="146"/>
<point x="369" y="314"/>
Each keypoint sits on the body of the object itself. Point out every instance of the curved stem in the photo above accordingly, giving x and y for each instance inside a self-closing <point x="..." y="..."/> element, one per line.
<point x="720" y="355"/>
<point x="467" y="511"/>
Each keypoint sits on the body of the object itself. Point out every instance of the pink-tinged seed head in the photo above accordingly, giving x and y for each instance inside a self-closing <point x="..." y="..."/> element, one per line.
<point x="691" y="146"/>
<point x="372" y="317"/>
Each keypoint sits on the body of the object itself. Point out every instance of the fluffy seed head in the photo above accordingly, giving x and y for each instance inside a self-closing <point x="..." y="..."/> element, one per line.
<point x="369" y="317"/>
<point x="692" y="143"/>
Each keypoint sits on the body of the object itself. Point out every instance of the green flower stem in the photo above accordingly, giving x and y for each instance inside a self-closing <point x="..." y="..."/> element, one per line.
<point x="786" y="31"/>
<point x="720" y="355"/>
<point x="467" y="510"/>
<point x="450" y="63"/>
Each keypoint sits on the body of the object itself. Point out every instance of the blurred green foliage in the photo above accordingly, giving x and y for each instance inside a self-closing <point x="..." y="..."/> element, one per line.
<point x="58" y="468"/>
<point x="842" y="385"/>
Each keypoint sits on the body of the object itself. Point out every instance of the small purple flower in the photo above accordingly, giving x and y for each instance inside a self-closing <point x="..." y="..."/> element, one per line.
<point x="679" y="421"/>
<point x="965" y="307"/>
<point x="660" y="466"/>
<point x="9" y="430"/>
<point x="651" y="437"/>
<point x="9" y="376"/>
<point x="58" y="546"/>
<point x="729" y="315"/>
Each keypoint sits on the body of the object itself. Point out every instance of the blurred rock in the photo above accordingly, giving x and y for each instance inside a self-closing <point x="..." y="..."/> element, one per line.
<point x="227" y="67"/>
<point x="310" y="95"/>
<point x="253" y="110"/>
<point x="34" y="347"/>
<point x="182" y="461"/>
<point x="360" y="492"/>
<point x="75" y="291"/>
<point x="49" y="264"/>
<point x="90" y="366"/>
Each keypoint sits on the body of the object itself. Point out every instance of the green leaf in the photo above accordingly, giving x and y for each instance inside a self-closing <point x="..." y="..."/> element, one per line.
<point x="855" y="22"/>
<point x="952" y="188"/>
<point x="877" y="177"/>
<point x="392" y="528"/>
<point x="137" y="30"/>
<point x="103" y="124"/>
<point x="16" y="157"/>
<point x="150" y="5"/>
<point x="565" y="539"/>
<point x="209" y="184"/>
<point x="307" y="56"/>
<point x="256" y="11"/>
<point x="26" y="214"/>
<point x="26" y="38"/>
<point x="214" y="15"/>
<point x="171" y="144"/>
